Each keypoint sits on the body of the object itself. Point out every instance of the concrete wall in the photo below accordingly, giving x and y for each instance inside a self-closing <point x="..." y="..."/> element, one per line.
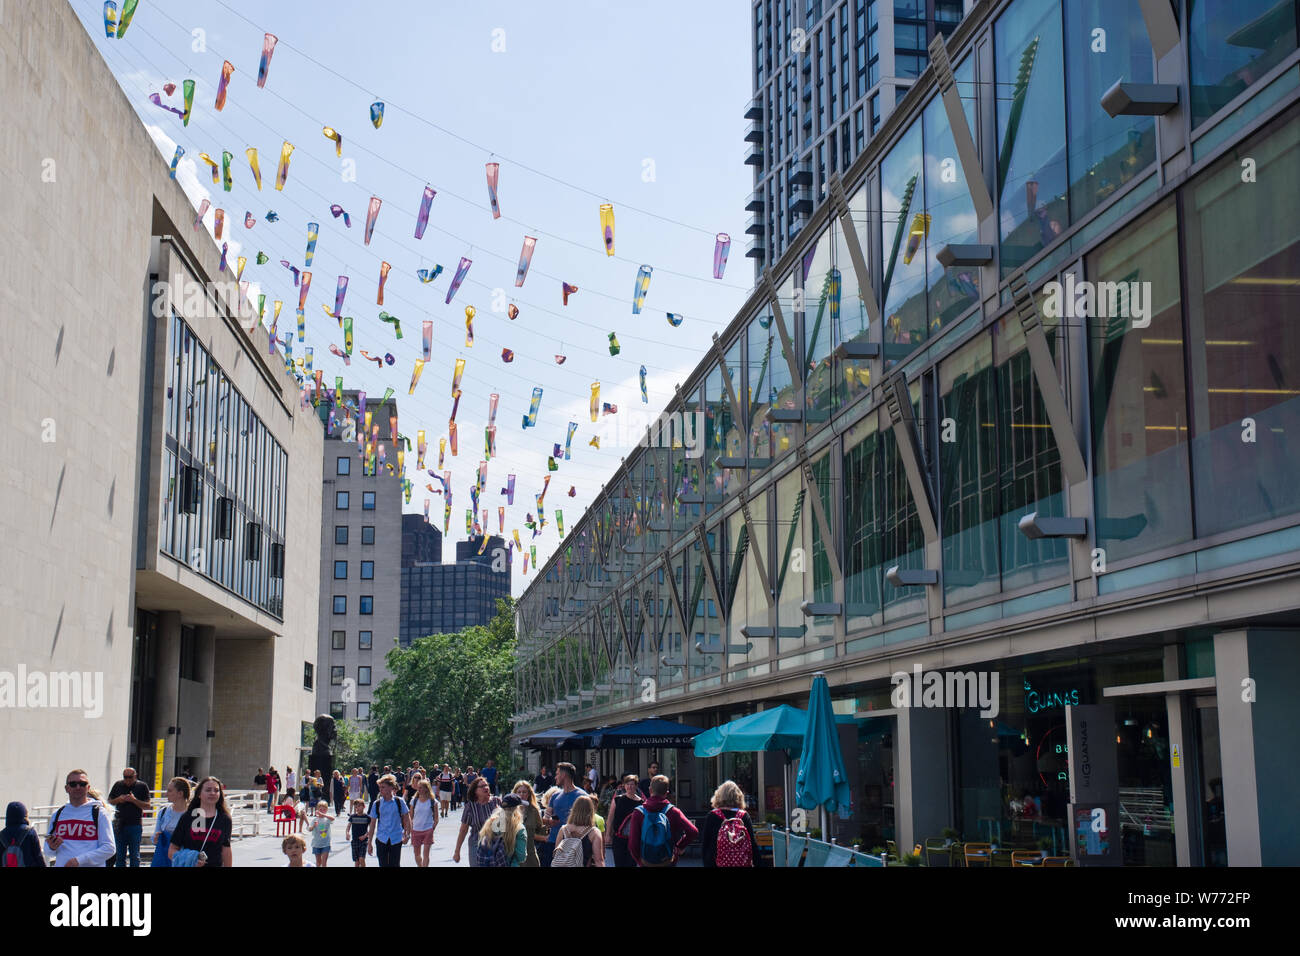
<point x="84" y="190"/>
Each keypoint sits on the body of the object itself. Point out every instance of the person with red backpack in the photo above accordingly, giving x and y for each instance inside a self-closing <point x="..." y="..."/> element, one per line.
<point x="19" y="843"/>
<point x="657" y="831"/>
<point x="728" y="836"/>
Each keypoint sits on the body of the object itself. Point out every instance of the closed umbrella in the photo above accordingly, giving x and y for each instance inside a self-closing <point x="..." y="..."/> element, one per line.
<point x="823" y="783"/>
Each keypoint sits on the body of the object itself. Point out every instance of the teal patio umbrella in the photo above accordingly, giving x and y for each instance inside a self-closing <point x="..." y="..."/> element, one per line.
<point x="823" y="783"/>
<point x="777" y="728"/>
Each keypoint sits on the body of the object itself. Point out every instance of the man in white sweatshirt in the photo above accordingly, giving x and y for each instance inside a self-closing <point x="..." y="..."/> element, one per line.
<point x="81" y="833"/>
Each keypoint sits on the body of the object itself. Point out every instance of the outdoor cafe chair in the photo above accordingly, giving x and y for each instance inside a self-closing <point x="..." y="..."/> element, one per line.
<point x="1002" y="856"/>
<point x="935" y="847"/>
<point x="1026" y="858"/>
<point x="1057" y="861"/>
<point x="978" y="853"/>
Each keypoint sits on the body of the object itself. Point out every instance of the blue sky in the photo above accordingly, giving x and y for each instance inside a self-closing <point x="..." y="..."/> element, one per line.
<point x="579" y="102"/>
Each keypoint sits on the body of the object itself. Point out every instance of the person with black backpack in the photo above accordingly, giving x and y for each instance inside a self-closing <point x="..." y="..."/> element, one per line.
<point x="727" y="839"/>
<point x="79" y="834"/>
<point x="19" y="843"/>
<point x="657" y="831"/>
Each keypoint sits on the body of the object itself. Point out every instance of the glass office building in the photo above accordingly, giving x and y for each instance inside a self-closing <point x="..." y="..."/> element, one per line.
<point x="1023" y="399"/>
<point x="442" y="598"/>
<point x="826" y="72"/>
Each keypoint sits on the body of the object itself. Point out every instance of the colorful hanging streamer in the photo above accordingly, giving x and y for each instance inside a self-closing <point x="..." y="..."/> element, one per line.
<point x="292" y="268"/>
<point x="283" y="173"/>
<point x="383" y="277"/>
<point x="377" y="113"/>
<point x="530" y="420"/>
<point x="573" y="427"/>
<point x="176" y="158"/>
<point x="609" y="409"/>
<point x="271" y="216"/>
<point x="339" y="293"/>
<point x="455" y="377"/>
<point x="422" y="218"/>
<point x="567" y="290"/>
<point x="110" y="19"/>
<point x="336" y="210"/>
<point x="227" y="180"/>
<point x="461" y="271"/>
<point x="415" y="375"/>
<point x="428" y="275"/>
<point x="224" y="248"/>
<point x="561" y="359"/>
<point x="329" y="132"/>
<point x="372" y="213"/>
<point x="239" y="267"/>
<point x="262" y="258"/>
<point x="393" y="321"/>
<point x="156" y="100"/>
<point x="347" y="359"/>
<point x="614" y="347"/>
<point x="313" y="230"/>
<point x="227" y="68"/>
<point x="595" y="442"/>
<point x="213" y="166"/>
<point x="453" y="433"/>
<point x="128" y="11"/>
<point x="187" y="90"/>
<point x="674" y="319"/>
<point x="218" y="222"/>
<point x="249" y="223"/>
<point x="507" y="355"/>
<point x="559" y="521"/>
<point x="595" y="400"/>
<point x="469" y="326"/>
<point x="721" y="247"/>
<point x="525" y="260"/>
<point x="607" y="227"/>
<point x="509" y="492"/>
<point x="269" y="41"/>
<point x="645" y="397"/>
<point x="493" y="172"/>
<point x="302" y="291"/>
<point x="203" y="209"/>
<point x="427" y="336"/>
<point x="347" y="335"/>
<point x="640" y="289"/>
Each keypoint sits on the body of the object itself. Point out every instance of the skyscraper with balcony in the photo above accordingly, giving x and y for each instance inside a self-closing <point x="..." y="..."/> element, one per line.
<point x="825" y="74"/>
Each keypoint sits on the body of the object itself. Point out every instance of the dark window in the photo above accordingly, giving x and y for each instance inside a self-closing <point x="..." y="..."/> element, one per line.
<point x="340" y="604"/>
<point x="339" y="640"/>
<point x="344" y="466"/>
<point x="340" y="534"/>
<point x="336" y="675"/>
<point x="341" y="500"/>
<point x="367" y="534"/>
<point x="338" y="711"/>
<point x="367" y="501"/>
<point x="367" y="570"/>
<point x="363" y="676"/>
<point x="363" y="710"/>
<point x="340" y="570"/>
<point x="367" y="604"/>
<point x="1233" y="44"/>
<point x="364" y="640"/>
<point x="308" y="675"/>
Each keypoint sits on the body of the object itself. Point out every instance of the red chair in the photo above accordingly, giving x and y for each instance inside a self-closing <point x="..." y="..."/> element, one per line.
<point x="286" y="819"/>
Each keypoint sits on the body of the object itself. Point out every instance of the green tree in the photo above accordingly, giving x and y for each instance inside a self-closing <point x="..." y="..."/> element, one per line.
<point x="450" y="696"/>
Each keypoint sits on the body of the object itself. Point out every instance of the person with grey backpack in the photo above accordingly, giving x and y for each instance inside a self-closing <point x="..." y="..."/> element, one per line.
<point x="579" y="843"/>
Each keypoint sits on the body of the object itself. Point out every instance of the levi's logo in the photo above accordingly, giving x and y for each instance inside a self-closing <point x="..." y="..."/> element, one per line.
<point x="76" y="830"/>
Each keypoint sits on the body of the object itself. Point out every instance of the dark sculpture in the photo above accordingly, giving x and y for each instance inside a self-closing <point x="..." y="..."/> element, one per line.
<point x="321" y="759"/>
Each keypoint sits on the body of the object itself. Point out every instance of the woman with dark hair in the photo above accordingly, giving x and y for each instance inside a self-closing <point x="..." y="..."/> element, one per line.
<point x="622" y="804"/>
<point x="206" y="827"/>
<point x="479" y="805"/>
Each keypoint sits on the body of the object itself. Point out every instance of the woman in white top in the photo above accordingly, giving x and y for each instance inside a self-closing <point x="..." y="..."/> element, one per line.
<point x="424" y="820"/>
<point x="355" y="784"/>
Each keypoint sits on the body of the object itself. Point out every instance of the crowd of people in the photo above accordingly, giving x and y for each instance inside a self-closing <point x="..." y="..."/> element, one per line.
<point x="565" y="820"/>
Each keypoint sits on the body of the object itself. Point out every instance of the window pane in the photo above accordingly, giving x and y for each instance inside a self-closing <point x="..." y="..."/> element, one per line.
<point x="902" y="239"/>
<point x="340" y="604"/>
<point x="903" y="542"/>
<point x="368" y="500"/>
<point x="338" y="711"/>
<point x="339" y="640"/>
<point x="862" y="513"/>
<point x="1233" y="44"/>
<point x="1031" y="130"/>
<point x="821" y="297"/>
<point x="968" y="466"/>
<point x="367" y="534"/>
<point x="853" y="376"/>
<point x="336" y="675"/>
<point x="367" y="570"/>
<point x="341" y="500"/>
<point x="363" y="676"/>
<point x="363" y="710"/>
<point x="341" y="534"/>
<point x="950" y="210"/>
<point x="367" y="604"/>
<point x="1243" y="253"/>
<point x="344" y="466"/>
<point x="1139" y="393"/>
<point x="340" y="570"/>
<point x="364" y="639"/>
<point x="1105" y="152"/>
